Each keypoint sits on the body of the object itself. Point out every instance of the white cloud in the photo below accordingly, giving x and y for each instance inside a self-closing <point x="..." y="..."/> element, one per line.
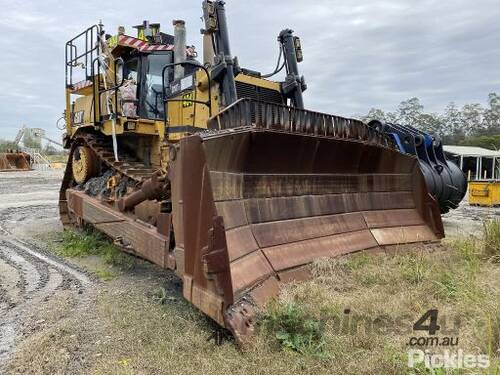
<point x="358" y="53"/>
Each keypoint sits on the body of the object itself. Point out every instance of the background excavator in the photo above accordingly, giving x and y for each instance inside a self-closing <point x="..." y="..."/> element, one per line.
<point x="220" y="174"/>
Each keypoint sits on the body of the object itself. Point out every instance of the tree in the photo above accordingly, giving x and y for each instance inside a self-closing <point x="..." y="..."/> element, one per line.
<point x="491" y="142"/>
<point x="49" y="149"/>
<point x="431" y="123"/>
<point x="410" y="112"/>
<point x="492" y="115"/>
<point x="7" y="146"/>
<point x="452" y="130"/>
<point x="454" y="125"/>
<point x="375" y="114"/>
<point x="472" y="119"/>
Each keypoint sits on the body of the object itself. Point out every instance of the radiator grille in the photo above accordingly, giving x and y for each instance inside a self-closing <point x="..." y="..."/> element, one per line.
<point x="245" y="90"/>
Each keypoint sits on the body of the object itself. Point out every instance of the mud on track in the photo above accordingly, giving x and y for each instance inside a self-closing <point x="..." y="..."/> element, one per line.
<point x="29" y="277"/>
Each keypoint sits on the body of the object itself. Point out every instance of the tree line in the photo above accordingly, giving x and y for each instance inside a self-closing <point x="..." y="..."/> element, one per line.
<point x="29" y="142"/>
<point x="472" y="124"/>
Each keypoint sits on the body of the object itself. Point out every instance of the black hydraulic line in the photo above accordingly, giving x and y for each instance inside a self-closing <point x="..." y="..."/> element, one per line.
<point x="278" y="67"/>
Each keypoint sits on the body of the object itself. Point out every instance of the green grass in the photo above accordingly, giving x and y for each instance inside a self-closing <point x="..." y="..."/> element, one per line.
<point x="88" y="242"/>
<point x="385" y="295"/>
<point x="355" y="316"/>
<point x="105" y="274"/>
<point x="492" y="240"/>
<point x="414" y="267"/>
<point x="57" y="158"/>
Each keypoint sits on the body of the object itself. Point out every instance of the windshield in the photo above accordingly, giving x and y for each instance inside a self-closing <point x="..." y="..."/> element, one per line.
<point x="154" y="106"/>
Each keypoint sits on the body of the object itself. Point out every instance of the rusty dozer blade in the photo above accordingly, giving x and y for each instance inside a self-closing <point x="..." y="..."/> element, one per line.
<point x="273" y="189"/>
<point x="14" y="161"/>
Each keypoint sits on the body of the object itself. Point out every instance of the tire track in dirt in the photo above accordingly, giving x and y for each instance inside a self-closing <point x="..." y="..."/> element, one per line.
<point x="29" y="275"/>
<point x="35" y="277"/>
<point x="11" y="280"/>
<point x="30" y="278"/>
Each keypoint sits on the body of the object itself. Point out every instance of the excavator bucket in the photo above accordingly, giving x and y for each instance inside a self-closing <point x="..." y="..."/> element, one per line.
<point x="14" y="161"/>
<point x="273" y="189"/>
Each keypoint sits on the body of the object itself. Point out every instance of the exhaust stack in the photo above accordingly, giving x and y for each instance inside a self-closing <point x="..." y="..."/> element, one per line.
<point x="179" y="47"/>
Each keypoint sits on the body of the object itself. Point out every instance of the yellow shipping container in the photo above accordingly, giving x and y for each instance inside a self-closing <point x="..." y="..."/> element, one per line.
<point x="484" y="193"/>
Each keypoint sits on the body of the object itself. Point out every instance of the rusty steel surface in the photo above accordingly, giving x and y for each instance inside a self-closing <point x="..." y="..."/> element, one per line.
<point x="138" y="238"/>
<point x="254" y="205"/>
<point x="15" y="161"/>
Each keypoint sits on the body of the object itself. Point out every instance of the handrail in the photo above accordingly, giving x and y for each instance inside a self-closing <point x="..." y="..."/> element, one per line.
<point x="99" y="91"/>
<point x="91" y="37"/>
<point x="197" y="65"/>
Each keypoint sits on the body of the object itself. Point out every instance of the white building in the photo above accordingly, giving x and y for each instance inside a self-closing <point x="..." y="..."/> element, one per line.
<point x="476" y="162"/>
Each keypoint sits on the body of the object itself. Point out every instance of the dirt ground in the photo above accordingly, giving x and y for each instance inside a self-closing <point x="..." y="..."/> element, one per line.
<point x="43" y="298"/>
<point x="35" y="288"/>
<point x="56" y="317"/>
<point x="468" y="220"/>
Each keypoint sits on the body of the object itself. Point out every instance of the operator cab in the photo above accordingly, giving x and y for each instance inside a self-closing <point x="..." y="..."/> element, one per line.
<point x="144" y="71"/>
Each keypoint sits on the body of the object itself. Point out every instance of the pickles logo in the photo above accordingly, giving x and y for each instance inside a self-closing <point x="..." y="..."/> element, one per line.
<point x="448" y="358"/>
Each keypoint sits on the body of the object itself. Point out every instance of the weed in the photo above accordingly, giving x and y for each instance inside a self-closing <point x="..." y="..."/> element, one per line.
<point x="294" y="328"/>
<point x="492" y="339"/>
<point x="105" y="274"/>
<point x="468" y="249"/>
<point x="492" y="240"/>
<point x="414" y="268"/>
<point x="160" y="296"/>
<point x="115" y="257"/>
<point x="79" y="244"/>
<point x="447" y="285"/>
<point x="89" y="242"/>
<point x="358" y="261"/>
<point x="369" y="279"/>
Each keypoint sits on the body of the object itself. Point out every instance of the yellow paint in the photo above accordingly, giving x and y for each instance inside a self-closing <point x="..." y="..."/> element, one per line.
<point x="113" y="41"/>
<point x="57" y="165"/>
<point x="183" y="114"/>
<point x="484" y="193"/>
<point x="142" y="126"/>
<point x="260" y="82"/>
<point x="82" y="167"/>
<point x="188" y="113"/>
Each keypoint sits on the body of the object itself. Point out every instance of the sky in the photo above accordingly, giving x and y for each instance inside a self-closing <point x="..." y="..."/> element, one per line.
<point x="358" y="54"/>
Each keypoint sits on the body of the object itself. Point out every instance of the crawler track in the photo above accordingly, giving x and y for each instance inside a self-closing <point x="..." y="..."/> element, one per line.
<point x="127" y="166"/>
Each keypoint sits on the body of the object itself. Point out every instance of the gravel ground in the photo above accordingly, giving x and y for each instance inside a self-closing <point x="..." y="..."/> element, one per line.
<point x="468" y="220"/>
<point x="49" y="320"/>
<point x="30" y="278"/>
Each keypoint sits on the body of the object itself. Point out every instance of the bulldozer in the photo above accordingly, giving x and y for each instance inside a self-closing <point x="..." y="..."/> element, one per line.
<point x="14" y="159"/>
<point x="221" y="174"/>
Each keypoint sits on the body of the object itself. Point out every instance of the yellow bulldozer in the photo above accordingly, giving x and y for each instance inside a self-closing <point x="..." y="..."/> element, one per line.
<point x="219" y="173"/>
